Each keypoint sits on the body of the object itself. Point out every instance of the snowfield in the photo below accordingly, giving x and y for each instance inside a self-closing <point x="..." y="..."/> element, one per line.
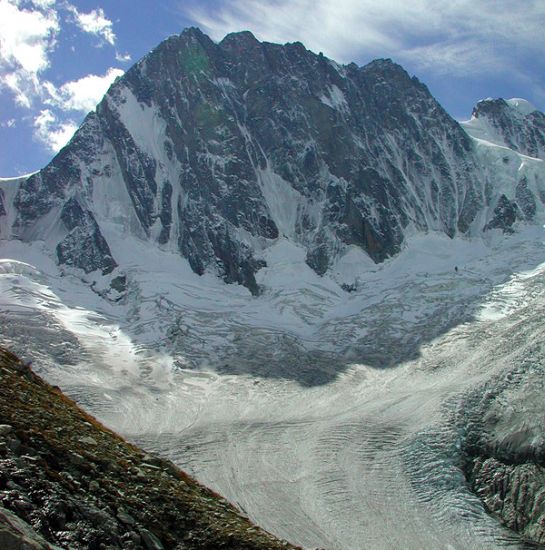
<point x="333" y="419"/>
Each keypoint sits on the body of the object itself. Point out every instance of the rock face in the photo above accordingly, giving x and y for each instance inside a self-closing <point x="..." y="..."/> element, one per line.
<point x="515" y="123"/>
<point x="214" y="151"/>
<point x="515" y="493"/>
<point x="84" y="246"/>
<point x="68" y="482"/>
<point x="505" y="451"/>
<point x="16" y="534"/>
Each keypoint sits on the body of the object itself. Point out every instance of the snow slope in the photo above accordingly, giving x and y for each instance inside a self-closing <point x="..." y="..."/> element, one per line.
<point x="282" y="402"/>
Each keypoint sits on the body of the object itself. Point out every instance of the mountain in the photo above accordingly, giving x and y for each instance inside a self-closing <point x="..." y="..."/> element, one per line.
<point x="215" y="151"/>
<point x="513" y="123"/>
<point x="304" y="283"/>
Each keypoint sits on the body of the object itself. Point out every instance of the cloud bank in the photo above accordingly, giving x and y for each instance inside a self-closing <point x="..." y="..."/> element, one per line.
<point x="27" y="36"/>
<point x="83" y="94"/>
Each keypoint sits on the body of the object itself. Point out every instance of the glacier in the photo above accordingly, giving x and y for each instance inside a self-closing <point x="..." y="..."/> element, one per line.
<point x="315" y="444"/>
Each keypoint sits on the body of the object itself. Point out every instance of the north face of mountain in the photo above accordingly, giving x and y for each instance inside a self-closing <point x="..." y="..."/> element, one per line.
<point x="216" y="151"/>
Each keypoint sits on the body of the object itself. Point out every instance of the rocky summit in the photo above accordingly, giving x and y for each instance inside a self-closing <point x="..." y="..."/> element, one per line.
<point x="68" y="482"/>
<point x="215" y="151"/>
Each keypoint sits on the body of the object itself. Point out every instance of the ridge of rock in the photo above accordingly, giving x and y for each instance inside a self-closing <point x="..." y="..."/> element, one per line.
<point x="214" y="151"/>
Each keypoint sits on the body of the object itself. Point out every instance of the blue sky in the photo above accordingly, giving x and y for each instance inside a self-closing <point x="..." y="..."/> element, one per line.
<point x="57" y="57"/>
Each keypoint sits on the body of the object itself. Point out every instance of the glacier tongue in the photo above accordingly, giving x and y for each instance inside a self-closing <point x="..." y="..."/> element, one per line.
<point x="281" y="401"/>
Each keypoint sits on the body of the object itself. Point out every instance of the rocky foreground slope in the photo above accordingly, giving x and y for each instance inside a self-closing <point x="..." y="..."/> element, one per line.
<point x="68" y="482"/>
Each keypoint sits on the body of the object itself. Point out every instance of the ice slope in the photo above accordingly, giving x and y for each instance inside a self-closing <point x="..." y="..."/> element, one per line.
<point x="282" y="402"/>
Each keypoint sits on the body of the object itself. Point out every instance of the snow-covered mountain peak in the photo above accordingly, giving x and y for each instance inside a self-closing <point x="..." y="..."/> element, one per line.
<point x="513" y="123"/>
<point x="215" y="151"/>
<point x="521" y="105"/>
<point x="490" y="105"/>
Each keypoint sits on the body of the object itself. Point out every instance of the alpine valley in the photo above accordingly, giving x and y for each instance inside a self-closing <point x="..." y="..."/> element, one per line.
<point x="305" y="284"/>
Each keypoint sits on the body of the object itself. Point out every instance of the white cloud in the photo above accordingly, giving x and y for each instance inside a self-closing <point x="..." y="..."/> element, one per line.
<point x="83" y="94"/>
<point x="44" y="3"/>
<point x="29" y="32"/>
<point x="95" y="22"/>
<point x="51" y="128"/>
<point x="27" y="37"/>
<point x="52" y="132"/>
<point x="123" y="57"/>
<point x="444" y="35"/>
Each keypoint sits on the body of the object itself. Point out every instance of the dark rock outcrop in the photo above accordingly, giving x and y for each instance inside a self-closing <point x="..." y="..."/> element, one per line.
<point x="522" y="130"/>
<point x="505" y="215"/>
<point x="514" y="492"/>
<point x="84" y="246"/>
